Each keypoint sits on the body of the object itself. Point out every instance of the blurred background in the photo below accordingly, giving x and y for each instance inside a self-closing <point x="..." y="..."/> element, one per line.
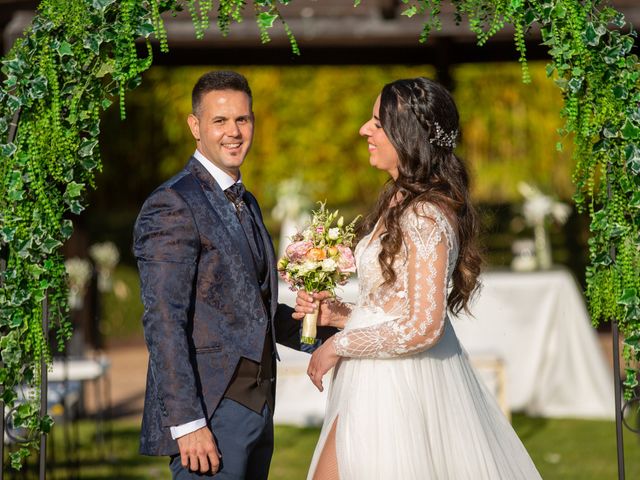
<point x="308" y="112"/>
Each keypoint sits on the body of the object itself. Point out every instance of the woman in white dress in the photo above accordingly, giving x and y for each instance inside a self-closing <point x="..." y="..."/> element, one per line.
<point x="404" y="401"/>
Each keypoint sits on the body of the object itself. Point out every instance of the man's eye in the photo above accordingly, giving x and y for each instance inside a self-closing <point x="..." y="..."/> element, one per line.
<point x="242" y="120"/>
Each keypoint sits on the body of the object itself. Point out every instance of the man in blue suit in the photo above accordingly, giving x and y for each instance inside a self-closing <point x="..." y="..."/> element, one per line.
<point x="209" y="287"/>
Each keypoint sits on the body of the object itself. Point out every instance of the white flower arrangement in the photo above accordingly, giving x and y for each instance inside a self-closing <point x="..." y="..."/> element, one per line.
<point x="106" y="256"/>
<point x="78" y="275"/>
<point x="537" y="209"/>
<point x="538" y="206"/>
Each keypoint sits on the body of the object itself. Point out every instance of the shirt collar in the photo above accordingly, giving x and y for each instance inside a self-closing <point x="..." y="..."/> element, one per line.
<point x="221" y="177"/>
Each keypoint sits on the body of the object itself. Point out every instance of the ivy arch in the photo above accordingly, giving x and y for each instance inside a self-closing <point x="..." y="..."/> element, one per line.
<point x="79" y="56"/>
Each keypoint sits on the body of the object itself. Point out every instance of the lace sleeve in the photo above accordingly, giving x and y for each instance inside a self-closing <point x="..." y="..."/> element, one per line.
<point x="421" y="324"/>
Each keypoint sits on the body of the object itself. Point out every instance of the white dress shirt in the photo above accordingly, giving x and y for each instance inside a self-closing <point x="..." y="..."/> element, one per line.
<point x="225" y="181"/>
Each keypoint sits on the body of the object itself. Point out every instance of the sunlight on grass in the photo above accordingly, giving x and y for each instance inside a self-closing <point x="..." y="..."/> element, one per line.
<point x="562" y="449"/>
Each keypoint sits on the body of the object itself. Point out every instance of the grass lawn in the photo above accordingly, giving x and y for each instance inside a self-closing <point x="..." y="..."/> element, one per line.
<point x="562" y="449"/>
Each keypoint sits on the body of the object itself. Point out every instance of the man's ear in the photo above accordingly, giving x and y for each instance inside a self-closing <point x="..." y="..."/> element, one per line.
<point x="194" y="125"/>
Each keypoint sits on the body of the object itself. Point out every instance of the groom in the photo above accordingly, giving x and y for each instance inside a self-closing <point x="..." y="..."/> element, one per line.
<point x="209" y="287"/>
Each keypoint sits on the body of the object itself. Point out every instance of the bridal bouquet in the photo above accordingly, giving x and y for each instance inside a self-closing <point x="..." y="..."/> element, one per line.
<point x="319" y="258"/>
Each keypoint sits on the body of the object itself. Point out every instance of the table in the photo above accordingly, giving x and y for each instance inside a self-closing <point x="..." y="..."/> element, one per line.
<point x="536" y="324"/>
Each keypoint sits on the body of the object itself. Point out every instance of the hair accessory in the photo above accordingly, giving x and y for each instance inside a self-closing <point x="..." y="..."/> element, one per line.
<point x="444" y="139"/>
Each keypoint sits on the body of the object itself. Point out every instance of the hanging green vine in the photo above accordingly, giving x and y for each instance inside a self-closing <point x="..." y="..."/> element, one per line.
<point x="77" y="57"/>
<point x="80" y="55"/>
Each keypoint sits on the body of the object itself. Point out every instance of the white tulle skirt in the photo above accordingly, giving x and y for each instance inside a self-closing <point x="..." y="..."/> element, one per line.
<point x="424" y="416"/>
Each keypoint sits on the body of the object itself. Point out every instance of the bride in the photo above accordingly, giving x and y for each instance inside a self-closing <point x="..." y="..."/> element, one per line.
<point x="404" y="401"/>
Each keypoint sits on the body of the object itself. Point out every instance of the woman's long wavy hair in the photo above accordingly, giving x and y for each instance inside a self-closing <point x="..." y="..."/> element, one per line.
<point x="411" y="113"/>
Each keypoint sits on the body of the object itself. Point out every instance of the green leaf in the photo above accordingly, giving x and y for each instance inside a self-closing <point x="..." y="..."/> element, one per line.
<point x="590" y="35"/>
<point x="145" y="29"/>
<point x="38" y="88"/>
<point x="101" y="4"/>
<point x="86" y="147"/>
<point x="73" y="190"/>
<point x="574" y="84"/>
<point x="106" y="68"/>
<point x="18" y="457"/>
<point x="7" y="149"/>
<point x="7" y="234"/>
<point x="46" y="423"/>
<point x="65" y="49"/>
<point x="265" y="19"/>
<point x="50" y="244"/>
<point x="629" y="297"/>
<point x="630" y="131"/>
<point x="620" y="92"/>
<point x="632" y="154"/>
<point x="67" y="228"/>
<point x="92" y="43"/>
<point x="410" y="12"/>
<point x="75" y="207"/>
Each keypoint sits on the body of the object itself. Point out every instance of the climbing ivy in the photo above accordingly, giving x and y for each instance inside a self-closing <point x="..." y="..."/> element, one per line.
<point x="79" y="56"/>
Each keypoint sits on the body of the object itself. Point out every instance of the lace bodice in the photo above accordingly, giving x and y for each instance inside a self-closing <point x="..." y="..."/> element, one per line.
<point x="412" y="311"/>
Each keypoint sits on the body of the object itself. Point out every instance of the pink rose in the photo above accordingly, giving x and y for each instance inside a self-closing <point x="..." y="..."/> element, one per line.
<point x="320" y="229"/>
<point x="297" y="250"/>
<point x="346" y="261"/>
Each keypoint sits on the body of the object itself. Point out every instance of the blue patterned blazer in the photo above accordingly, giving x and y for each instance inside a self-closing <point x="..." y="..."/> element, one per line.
<point x="202" y="303"/>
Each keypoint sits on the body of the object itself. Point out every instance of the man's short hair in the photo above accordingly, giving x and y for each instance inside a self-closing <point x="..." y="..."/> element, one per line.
<point x="218" y="80"/>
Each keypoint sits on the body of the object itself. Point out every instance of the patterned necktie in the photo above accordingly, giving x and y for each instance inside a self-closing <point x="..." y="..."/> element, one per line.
<point x="235" y="193"/>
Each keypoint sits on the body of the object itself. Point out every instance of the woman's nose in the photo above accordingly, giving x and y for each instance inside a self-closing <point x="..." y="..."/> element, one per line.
<point x="365" y="130"/>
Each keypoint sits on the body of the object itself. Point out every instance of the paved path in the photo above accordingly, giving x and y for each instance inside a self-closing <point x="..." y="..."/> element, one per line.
<point x="127" y="376"/>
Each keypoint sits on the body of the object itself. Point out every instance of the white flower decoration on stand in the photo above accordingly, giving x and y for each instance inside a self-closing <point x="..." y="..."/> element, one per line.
<point x="106" y="256"/>
<point x="78" y="276"/>
<point x="537" y="209"/>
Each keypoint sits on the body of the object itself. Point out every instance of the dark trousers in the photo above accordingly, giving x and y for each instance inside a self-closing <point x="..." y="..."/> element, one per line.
<point x="244" y="439"/>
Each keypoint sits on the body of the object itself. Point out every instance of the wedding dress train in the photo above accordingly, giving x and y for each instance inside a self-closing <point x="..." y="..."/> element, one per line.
<point x="407" y="402"/>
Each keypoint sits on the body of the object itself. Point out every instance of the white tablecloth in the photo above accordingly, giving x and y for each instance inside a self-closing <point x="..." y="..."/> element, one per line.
<point x="538" y="323"/>
<point x="535" y="322"/>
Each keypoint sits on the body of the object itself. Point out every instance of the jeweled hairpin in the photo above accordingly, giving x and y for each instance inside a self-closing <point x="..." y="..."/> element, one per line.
<point x="442" y="138"/>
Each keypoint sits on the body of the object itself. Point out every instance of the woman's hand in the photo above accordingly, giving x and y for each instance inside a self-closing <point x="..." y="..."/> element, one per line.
<point x="322" y="360"/>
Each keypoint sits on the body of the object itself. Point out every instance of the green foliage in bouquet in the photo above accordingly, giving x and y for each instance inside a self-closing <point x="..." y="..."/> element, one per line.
<point x="77" y="57"/>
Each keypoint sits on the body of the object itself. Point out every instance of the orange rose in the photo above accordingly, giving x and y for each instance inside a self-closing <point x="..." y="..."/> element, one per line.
<point x="316" y="254"/>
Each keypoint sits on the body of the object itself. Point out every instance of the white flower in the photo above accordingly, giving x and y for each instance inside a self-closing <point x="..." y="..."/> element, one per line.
<point x="536" y="208"/>
<point x="105" y="254"/>
<point x="306" y="267"/>
<point x="79" y="272"/>
<point x="329" y="265"/>
<point x="334" y="233"/>
<point x="560" y="212"/>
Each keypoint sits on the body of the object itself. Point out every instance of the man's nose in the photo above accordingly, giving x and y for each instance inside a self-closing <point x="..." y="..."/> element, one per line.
<point x="233" y="130"/>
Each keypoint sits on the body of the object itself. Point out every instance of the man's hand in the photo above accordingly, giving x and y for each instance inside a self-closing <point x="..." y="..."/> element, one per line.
<point x="198" y="451"/>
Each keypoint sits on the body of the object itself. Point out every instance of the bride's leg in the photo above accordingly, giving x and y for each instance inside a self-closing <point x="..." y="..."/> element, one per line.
<point x="327" y="468"/>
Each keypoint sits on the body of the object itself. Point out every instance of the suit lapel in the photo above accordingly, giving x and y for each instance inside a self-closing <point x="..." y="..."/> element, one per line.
<point x="224" y="209"/>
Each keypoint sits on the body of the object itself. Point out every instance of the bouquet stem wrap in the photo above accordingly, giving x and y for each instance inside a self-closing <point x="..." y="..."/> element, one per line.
<point x="309" y="330"/>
